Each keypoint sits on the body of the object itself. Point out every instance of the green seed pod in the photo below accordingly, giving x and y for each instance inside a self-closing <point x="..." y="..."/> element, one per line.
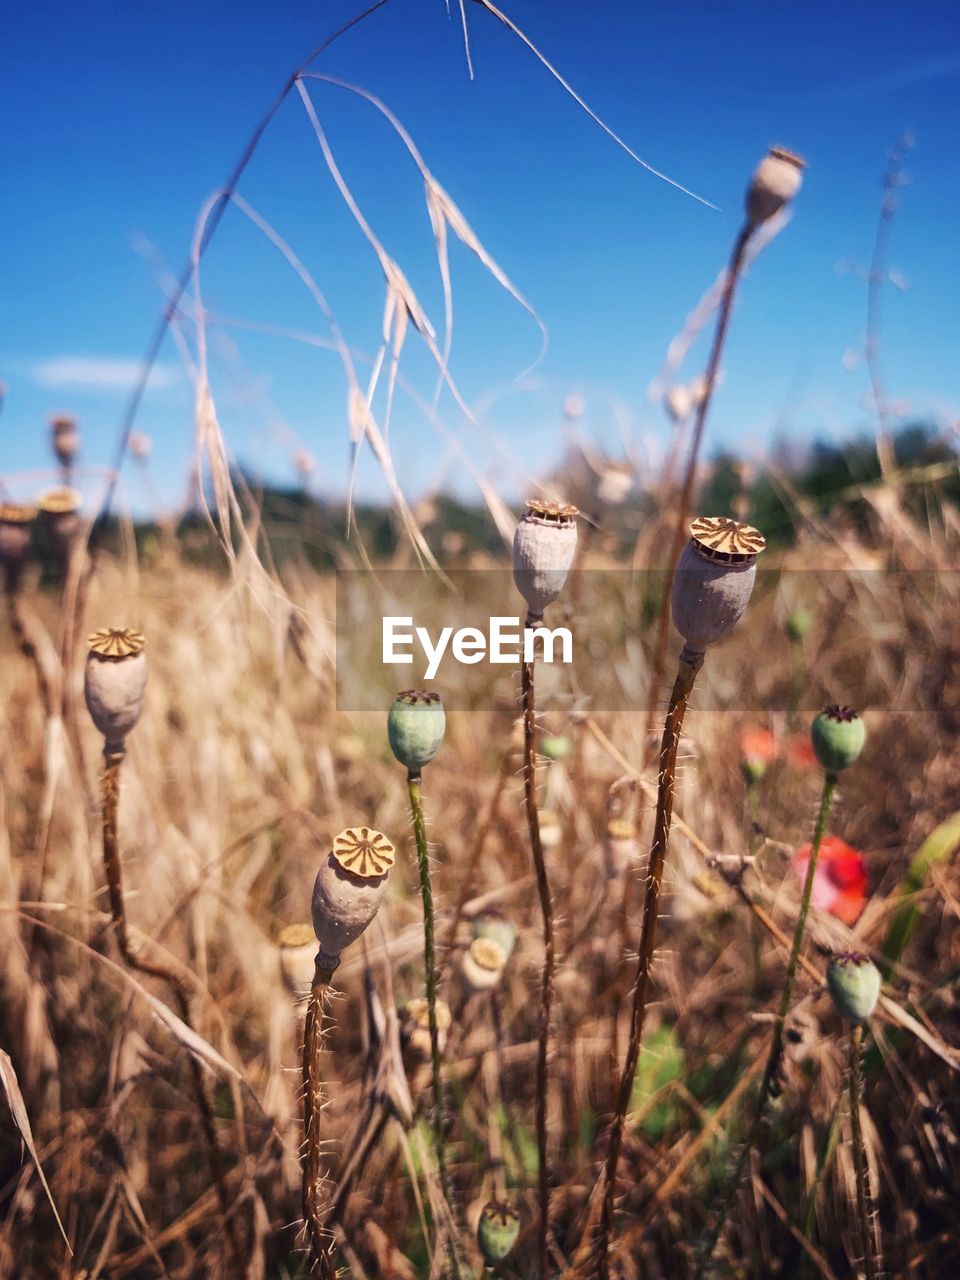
<point x="838" y="735"/>
<point x="494" y="924"/>
<point x="799" y="623"/>
<point x="415" y="727"/>
<point x="497" y="1231"/>
<point x="555" y="747"/>
<point x="854" y="982"/>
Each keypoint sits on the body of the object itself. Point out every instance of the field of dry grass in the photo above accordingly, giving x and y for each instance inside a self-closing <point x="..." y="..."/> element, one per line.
<point x="238" y="777"/>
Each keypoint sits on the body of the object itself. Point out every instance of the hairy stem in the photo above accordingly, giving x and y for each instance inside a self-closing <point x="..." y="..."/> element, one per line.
<point x="312" y="1110"/>
<point x="430" y="966"/>
<point x="686" y="493"/>
<point x="776" y="1043"/>
<point x="689" y="666"/>
<point x="528" y="701"/>
<point x="113" y="759"/>
<point x="859" y="1152"/>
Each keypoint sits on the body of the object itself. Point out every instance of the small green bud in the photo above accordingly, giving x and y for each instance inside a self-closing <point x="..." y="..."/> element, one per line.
<point x="799" y="623"/>
<point x="494" y="924"/>
<point x="555" y="746"/>
<point x="838" y="735"/>
<point x="497" y="1231"/>
<point x="753" y="769"/>
<point x="415" y="727"/>
<point x="854" y="982"/>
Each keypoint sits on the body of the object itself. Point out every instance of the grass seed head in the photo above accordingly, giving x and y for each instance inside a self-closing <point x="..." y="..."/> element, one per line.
<point x="776" y="180"/>
<point x="838" y="734"/>
<point x="714" y="579"/>
<point x="415" y="727"/>
<point x="544" y="545"/>
<point x="854" y="982"/>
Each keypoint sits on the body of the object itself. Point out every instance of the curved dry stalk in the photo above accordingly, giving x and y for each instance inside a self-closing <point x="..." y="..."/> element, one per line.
<point x="859" y="1152"/>
<point x="528" y="701"/>
<point x="688" y="668"/>
<point x="685" y="500"/>
<point x="313" y="1102"/>
<point x="112" y="866"/>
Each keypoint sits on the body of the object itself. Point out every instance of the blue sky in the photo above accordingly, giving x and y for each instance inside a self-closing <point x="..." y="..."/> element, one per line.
<point x="120" y="121"/>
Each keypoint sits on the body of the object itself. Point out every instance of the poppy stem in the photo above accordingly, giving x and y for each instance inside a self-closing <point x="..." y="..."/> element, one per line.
<point x="859" y="1151"/>
<point x="776" y="1044"/>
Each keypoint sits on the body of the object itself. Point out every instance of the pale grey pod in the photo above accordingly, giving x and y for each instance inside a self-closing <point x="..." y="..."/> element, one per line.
<point x="298" y="949"/>
<point x="621" y="850"/>
<point x="61" y="515"/>
<point x="543" y="549"/>
<point x="714" y="579"/>
<point x="776" y="180"/>
<point x="348" y="890"/>
<point x="114" y="683"/>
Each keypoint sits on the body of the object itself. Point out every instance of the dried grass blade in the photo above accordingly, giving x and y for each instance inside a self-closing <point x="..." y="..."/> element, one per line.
<point x="18" y="1110"/>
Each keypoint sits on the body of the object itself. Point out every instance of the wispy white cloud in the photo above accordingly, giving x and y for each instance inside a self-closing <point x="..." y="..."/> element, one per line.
<point x="98" y="373"/>
<point x="891" y="81"/>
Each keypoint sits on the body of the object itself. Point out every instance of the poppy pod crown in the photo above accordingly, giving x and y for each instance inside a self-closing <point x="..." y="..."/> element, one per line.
<point x="838" y="735"/>
<point x="497" y="1231"/>
<point x="348" y="890"/>
<point x="714" y="579"/>
<point x="544" y="545"/>
<point x="776" y="180"/>
<point x="114" y="682"/>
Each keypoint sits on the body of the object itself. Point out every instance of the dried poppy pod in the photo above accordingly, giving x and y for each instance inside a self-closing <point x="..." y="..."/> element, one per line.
<point x="714" y="579"/>
<point x="483" y="964"/>
<point x="776" y="180"/>
<point x="616" y="481"/>
<point x="297" y="945"/>
<point x="65" y="437"/>
<point x="60" y="513"/>
<point x="678" y="402"/>
<point x="854" y="982"/>
<point x="114" y="682"/>
<point x="348" y="890"/>
<point x="543" y="549"/>
<point x="415" y="726"/>
<point x="139" y="445"/>
<point x="15" y="526"/>
<point x="497" y="1231"/>
<point x="494" y="924"/>
<point x="551" y="831"/>
<point x="415" y="1027"/>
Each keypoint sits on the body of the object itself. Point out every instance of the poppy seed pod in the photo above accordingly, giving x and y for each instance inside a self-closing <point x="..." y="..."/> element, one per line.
<point x="854" y="982"/>
<point x="65" y="438"/>
<point x="551" y="832"/>
<point x="494" y="924"/>
<point x="776" y="180"/>
<point x="555" y="747"/>
<point x="543" y="549"/>
<point x="838" y="735"/>
<point x="678" y="402"/>
<point x="799" y="623"/>
<point x="714" y="579"/>
<point x="616" y="481"/>
<point x="483" y="964"/>
<point x="15" y="524"/>
<point x="415" y="727"/>
<point x="415" y="1027"/>
<point x="114" y="682"/>
<point x="298" y="949"/>
<point x="348" y="890"/>
<point x="497" y="1231"/>
<point x="60" y="512"/>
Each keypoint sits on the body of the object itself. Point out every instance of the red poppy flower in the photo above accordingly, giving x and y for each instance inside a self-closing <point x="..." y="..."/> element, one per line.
<point x="758" y="748"/>
<point x="800" y="751"/>
<point x="840" y="880"/>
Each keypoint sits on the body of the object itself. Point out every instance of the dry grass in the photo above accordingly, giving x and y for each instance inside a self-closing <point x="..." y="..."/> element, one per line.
<point x="236" y="781"/>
